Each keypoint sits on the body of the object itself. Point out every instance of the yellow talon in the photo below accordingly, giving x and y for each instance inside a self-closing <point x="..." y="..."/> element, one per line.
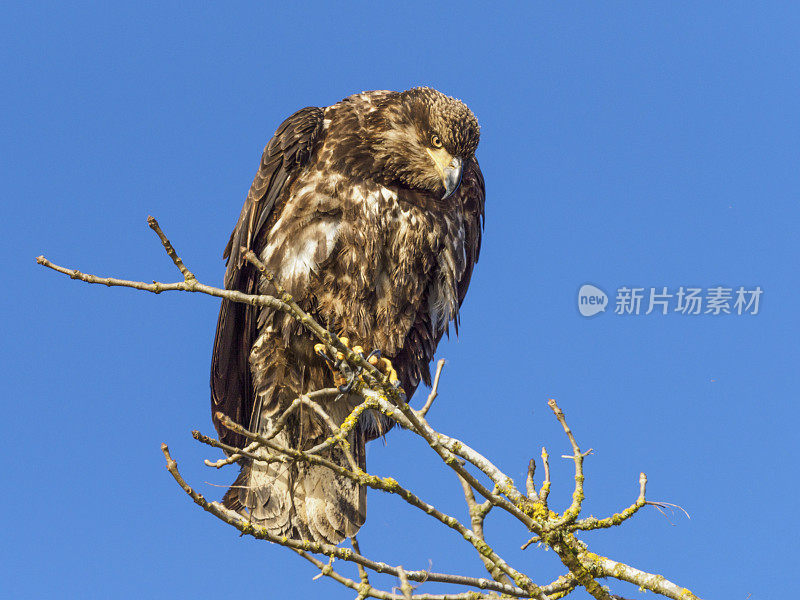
<point x="384" y="365"/>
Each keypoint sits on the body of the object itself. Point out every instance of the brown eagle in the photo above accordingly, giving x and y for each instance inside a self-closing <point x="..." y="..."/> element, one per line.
<point x="369" y="212"/>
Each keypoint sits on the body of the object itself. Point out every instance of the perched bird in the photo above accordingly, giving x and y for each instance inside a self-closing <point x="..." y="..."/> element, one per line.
<point x="369" y="212"/>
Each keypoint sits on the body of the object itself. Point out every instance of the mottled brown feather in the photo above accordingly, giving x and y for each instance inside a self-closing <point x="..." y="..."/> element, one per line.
<point x="283" y="157"/>
<point x="346" y="209"/>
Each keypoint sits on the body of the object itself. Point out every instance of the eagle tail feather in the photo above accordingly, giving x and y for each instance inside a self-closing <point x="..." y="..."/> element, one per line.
<point x="301" y="501"/>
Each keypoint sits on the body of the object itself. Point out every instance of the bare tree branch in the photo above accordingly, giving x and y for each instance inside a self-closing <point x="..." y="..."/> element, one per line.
<point x="544" y="492"/>
<point x="187" y="274"/>
<point x="530" y="484"/>
<point x="591" y="523"/>
<point x="434" y="388"/>
<point x="647" y="581"/>
<point x="392" y="486"/>
<point x="574" y="509"/>
<point x="477" y="513"/>
<point x="249" y="528"/>
<point x="530" y="508"/>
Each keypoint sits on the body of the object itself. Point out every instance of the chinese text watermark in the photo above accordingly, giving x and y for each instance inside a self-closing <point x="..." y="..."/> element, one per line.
<point x="684" y="300"/>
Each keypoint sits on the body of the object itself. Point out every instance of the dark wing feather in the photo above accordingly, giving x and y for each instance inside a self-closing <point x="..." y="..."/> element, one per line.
<point x="473" y="201"/>
<point x="286" y="154"/>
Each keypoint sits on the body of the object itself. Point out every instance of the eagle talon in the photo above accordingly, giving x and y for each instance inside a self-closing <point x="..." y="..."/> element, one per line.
<point x="347" y="387"/>
<point x="320" y="350"/>
<point x="344" y="372"/>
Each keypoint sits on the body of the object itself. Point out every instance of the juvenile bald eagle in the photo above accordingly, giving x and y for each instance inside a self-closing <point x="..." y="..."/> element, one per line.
<point x="369" y="212"/>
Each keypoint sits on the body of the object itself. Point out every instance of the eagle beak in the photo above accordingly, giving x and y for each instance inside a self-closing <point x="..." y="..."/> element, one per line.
<point x="449" y="169"/>
<point x="451" y="177"/>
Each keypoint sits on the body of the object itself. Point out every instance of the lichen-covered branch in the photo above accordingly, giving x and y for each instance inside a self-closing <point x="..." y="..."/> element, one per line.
<point x="530" y="508"/>
<point x="386" y="484"/>
<point x="591" y="523"/>
<point x="477" y="514"/>
<point x="574" y="509"/>
<point x="248" y="528"/>
<point x="450" y="450"/>
<point x="605" y="567"/>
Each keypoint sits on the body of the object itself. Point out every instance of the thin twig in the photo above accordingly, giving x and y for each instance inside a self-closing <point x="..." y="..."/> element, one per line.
<point x="544" y="492"/>
<point x="565" y="545"/>
<point x="187" y="274"/>
<point x="248" y="452"/>
<point x="190" y="285"/>
<point x="405" y="587"/>
<point x="561" y="586"/>
<point x="592" y="523"/>
<point x="339" y="433"/>
<point x="660" y="504"/>
<point x="367" y="591"/>
<point x="340" y="440"/>
<point x="242" y="452"/>
<point x="530" y="485"/>
<point x="362" y="572"/>
<point x="434" y="389"/>
<point x="574" y="509"/>
<point x="279" y="424"/>
<point x="536" y="538"/>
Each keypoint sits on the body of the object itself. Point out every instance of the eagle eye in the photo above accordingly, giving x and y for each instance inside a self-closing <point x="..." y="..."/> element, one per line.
<point x="435" y="141"/>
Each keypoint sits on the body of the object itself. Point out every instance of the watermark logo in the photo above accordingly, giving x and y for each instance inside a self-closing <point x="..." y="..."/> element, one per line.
<point x="591" y="300"/>
<point x="684" y="300"/>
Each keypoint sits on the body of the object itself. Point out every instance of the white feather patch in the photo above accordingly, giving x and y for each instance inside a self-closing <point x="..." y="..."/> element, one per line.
<point x="300" y="257"/>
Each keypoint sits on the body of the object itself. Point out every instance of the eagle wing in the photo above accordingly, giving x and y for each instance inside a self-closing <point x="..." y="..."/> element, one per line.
<point x="413" y="361"/>
<point x="289" y="150"/>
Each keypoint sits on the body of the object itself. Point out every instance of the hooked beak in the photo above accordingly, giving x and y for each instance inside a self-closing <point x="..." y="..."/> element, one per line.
<point x="449" y="168"/>
<point x="452" y="177"/>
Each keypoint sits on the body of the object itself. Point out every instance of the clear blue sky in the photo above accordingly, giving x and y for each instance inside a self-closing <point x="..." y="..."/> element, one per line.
<point x="639" y="144"/>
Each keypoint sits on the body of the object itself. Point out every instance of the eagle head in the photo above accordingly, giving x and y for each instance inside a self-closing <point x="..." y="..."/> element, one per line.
<point x="422" y="139"/>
